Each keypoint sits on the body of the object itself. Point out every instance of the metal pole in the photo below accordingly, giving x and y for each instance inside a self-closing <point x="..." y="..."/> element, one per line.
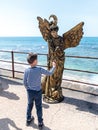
<point x="12" y="55"/>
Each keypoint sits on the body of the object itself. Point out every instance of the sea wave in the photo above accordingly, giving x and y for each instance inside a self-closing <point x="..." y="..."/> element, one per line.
<point x="88" y="47"/>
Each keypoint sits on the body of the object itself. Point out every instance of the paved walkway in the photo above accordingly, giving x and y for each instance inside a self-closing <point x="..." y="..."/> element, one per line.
<point x="77" y="112"/>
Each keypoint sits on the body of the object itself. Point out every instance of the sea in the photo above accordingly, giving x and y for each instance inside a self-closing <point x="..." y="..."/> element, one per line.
<point x="88" y="47"/>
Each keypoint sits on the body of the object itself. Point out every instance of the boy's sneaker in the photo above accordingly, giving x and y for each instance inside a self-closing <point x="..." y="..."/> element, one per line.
<point x="28" y="122"/>
<point x="40" y="125"/>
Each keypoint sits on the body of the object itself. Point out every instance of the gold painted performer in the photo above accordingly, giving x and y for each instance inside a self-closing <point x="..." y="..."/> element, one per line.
<point x="51" y="85"/>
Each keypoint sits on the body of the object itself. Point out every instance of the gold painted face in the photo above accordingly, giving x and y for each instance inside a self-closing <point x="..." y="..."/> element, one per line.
<point x="54" y="34"/>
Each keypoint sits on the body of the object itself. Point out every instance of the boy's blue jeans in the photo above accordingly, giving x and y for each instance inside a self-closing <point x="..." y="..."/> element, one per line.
<point x="37" y="97"/>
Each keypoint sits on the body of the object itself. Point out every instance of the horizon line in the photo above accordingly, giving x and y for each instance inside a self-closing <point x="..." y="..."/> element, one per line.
<point x="37" y="36"/>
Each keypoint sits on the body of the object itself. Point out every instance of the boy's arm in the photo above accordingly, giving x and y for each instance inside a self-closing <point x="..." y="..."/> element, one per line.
<point x="47" y="72"/>
<point x="25" y="79"/>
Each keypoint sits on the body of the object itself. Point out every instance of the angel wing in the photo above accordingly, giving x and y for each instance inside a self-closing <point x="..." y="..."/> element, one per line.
<point x="44" y="28"/>
<point x="73" y="36"/>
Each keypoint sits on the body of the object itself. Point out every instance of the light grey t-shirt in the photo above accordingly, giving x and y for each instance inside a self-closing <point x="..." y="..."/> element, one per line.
<point x="32" y="77"/>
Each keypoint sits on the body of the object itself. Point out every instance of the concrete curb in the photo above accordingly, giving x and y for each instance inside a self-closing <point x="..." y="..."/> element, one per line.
<point x="90" y="89"/>
<point x="80" y="87"/>
<point x="1" y="86"/>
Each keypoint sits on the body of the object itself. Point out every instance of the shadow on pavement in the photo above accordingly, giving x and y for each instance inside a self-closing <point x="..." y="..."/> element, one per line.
<point x="5" y="122"/>
<point x="82" y="105"/>
<point x="9" y="95"/>
<point x="46" y="106"/>
<point x="35" y="126"/>
<point x="5" y="86"/>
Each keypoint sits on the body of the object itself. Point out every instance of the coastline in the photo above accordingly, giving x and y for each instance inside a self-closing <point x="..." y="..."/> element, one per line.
<point x="87" y="47"/>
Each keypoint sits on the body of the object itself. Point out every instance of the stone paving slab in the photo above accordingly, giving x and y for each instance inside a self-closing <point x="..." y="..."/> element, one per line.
<point x="77" y="112"/>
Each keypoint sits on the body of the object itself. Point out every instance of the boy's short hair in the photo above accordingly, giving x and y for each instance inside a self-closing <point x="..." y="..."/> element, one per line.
<point x="31" y="57"/>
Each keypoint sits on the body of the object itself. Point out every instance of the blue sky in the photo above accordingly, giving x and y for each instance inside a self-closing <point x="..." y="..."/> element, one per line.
<point x="18" y="17"/>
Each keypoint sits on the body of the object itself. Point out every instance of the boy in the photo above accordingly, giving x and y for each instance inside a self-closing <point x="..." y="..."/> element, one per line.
<point x="32" y="82"/>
